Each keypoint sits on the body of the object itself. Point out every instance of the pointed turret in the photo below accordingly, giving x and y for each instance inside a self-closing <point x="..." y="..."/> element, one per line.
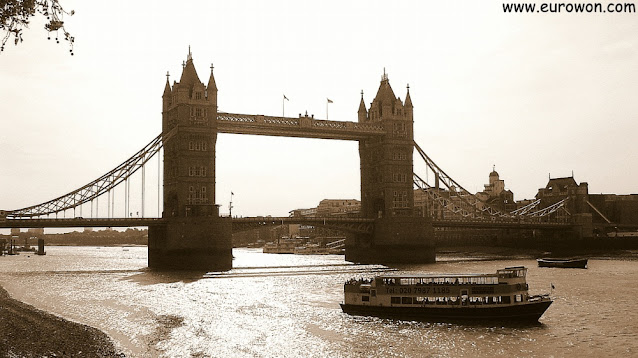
<point x="408" y="100"/>
<point x="363" y="112"/>
<point x="167" y="96"/>
<point x="408" y="108"/>
<point x="212" y="86"/>
<point x="211" y="89"/>
<point x="167" y="88"/>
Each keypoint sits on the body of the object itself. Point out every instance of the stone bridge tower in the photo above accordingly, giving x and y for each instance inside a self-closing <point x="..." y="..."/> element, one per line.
<point x="189" y="119"/>
<point x="387" y="193"/>
<point x="195" y="237"/>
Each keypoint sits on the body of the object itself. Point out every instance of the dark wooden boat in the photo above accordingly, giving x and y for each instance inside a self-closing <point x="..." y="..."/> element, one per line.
<point x="501" y="296"/>
<point x="562" y="262"/>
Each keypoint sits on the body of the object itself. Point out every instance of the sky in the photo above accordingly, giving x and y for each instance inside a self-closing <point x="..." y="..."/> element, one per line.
<point x="535" y="95"/>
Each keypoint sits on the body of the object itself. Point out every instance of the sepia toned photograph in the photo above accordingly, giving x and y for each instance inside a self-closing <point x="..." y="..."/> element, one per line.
<point x="318" y="179"/>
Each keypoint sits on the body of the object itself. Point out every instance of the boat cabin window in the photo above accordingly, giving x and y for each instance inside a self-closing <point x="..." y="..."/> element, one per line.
<point x="505" y="299"/>
<point x="389" y="281"/>
<point x="395" y="300"/>
<point x="409" y="281"/>
<point x="518" y="298"/>
<point x="365" y="298"/>
<point x="406" y="300"/>
<point x="478" y="280"/>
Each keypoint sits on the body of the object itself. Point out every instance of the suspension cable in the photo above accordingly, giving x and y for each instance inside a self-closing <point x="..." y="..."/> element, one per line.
<point x="95" y="188"/>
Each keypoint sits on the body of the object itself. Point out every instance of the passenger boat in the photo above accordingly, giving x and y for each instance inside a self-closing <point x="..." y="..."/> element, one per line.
<point x="499" y="296"/>
<point x="563" y="263"/>
<point x="281" y="246"/>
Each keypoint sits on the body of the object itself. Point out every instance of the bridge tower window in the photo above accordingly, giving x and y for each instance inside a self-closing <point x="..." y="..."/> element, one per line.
<point x="399" y="177"/>
<point x="400" y="199"/>
<point x="399" y="155"/>
<point x="399" y="130"/>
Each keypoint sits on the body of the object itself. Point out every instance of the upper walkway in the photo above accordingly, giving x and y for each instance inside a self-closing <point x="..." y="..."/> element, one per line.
<point x="306" y="127"/>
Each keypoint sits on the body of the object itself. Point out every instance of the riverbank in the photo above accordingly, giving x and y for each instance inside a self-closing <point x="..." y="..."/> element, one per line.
<point x="485" y="253"/>
<point x="28" y="332"/>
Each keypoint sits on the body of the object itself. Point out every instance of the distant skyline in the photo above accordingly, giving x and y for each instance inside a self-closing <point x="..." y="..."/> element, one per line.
<point x="532" y="94"/>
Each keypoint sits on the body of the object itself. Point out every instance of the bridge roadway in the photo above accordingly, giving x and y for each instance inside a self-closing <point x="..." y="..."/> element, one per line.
<point x="501" y="224"/>
<point x="356" y="225"/>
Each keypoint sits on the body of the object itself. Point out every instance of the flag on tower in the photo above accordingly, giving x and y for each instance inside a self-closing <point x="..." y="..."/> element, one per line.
<point x="286" y="98"/>
<point x="329" y="100"/>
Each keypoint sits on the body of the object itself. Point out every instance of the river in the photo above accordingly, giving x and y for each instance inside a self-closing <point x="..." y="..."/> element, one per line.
<point x="273" y="305"/>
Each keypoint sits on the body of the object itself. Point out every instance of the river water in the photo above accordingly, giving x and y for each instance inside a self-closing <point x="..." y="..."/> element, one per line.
<point x="288" y="306"/>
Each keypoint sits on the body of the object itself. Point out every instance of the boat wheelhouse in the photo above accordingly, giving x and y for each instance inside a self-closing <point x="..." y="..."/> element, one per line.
<point x="501" y="296"/>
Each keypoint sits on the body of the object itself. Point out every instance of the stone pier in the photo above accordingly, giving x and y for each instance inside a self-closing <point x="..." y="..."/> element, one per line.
<point x="191" y="243"/>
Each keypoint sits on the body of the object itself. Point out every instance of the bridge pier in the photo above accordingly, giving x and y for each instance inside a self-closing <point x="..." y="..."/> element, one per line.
<point x="395" y="240"/>
<point x="191" y="243"/>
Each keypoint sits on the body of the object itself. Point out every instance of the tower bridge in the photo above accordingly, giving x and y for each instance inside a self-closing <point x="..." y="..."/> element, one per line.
<point x="191" y="234"/>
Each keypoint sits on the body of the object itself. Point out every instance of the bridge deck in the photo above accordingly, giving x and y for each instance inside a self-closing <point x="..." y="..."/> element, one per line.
<point x="349" y="224"/>
<point x="79" y="222"/>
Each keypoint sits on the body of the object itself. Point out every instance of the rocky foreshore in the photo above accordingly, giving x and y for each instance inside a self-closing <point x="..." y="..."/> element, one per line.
<point x="28" y="332"/>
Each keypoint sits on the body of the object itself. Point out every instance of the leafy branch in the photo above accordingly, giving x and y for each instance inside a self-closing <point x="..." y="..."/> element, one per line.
<point x="16" y="14"/>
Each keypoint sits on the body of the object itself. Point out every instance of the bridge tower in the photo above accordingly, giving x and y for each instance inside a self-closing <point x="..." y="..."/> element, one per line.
<point x="195" y="237"/>
<point x="387" y="193"/>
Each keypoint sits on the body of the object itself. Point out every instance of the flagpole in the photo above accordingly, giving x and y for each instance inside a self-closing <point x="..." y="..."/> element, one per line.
<point x="283" y="105"/>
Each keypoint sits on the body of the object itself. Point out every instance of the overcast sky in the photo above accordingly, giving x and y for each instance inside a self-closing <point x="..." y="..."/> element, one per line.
<point x="532" y="94"/>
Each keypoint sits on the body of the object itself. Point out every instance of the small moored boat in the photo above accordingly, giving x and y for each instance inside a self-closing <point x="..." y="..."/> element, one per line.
<point x="499" y="296"/>
<point x="563" y="263"/>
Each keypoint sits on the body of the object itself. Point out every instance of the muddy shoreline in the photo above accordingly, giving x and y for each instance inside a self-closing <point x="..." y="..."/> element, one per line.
<point x="26" y="331"/>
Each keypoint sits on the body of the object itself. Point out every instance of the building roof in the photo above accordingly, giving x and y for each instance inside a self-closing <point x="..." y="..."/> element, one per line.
<point x="385" y="94"/>
<point x="561" y="183"/>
